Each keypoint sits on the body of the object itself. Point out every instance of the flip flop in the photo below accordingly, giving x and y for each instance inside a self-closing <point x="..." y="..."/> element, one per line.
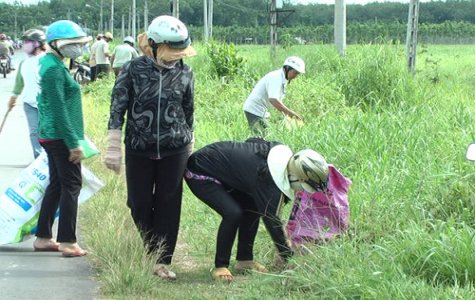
<point x="243" y="266"/>
<point x="222" y="275"/>
<point x="75" y="253"/>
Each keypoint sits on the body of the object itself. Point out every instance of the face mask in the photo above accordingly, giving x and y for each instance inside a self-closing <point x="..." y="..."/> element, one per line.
<point x="167" y="64"/>
<point x="71" y="51"/>
<point x="28" y="47"/>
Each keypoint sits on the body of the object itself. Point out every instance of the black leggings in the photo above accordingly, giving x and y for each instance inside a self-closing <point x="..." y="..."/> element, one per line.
<point x="238" y="211"/>
<point x="154" y="194"/>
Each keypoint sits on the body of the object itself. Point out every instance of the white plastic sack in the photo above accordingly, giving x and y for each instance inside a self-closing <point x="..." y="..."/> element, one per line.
<point x="20" y="203"/>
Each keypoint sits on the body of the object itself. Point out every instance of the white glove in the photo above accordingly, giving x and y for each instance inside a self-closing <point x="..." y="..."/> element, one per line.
<point x="113" y="158"/>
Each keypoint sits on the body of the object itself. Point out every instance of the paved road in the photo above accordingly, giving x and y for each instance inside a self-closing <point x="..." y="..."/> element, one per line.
<point x="25" y="274"/>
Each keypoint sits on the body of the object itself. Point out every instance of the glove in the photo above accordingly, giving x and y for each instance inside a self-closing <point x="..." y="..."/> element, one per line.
<point x="12" y="102"/>
<point x="113" y="158"/>
<point x="75" y="155"/>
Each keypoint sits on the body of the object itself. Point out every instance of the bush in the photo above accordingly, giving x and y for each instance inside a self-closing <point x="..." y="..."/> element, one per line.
<point x="225" y="59"/>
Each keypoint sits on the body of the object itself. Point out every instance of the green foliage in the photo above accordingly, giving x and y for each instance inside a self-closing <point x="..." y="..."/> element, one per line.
<point x="225" y="59"/>
<point x="375" y="76"/>
<point x="398" y="137"/>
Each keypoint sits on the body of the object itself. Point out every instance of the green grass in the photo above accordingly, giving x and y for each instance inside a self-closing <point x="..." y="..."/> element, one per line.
<point x="400" y="139"/>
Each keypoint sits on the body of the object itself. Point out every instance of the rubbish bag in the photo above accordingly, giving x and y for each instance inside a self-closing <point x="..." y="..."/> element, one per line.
<point x="320" y="216"/>
<point x="20" y="203"/>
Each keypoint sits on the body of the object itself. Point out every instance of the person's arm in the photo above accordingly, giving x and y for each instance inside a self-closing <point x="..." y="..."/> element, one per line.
<point x="188" y="103"/>
<point x="120" y="98"/>
<point x="18" y="88"/>
<point x="112" y="59"/>
<point x="282" y="108"/>
<point x="135" y="54"/>
<point x="268" y="205"/>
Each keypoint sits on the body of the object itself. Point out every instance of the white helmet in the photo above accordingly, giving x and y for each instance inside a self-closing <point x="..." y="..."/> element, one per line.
<point x="295" y="63"/>
<point x="169" y="30"/>
<point x="129" y="39"/>
<point x="309" y="170"/>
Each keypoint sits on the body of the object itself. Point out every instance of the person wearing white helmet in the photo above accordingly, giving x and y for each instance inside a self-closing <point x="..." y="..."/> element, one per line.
<point x="122" y="54"/>
<point x="244" y="181"/>
<point x="156" y="92"/>
<point x="270" y="91"/>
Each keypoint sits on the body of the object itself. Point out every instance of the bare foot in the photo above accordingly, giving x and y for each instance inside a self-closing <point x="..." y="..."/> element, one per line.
<point x="44" y="244"/>
<point x="71" y="250"/>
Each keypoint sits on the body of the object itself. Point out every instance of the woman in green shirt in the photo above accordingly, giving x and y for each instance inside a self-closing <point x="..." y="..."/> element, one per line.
<point x="60" y="129"/>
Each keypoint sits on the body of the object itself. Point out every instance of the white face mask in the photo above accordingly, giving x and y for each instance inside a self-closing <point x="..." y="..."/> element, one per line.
<point x="72" y="50"/>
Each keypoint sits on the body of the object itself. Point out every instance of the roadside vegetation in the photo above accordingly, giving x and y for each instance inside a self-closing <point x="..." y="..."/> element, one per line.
<point x="400" y="138"/>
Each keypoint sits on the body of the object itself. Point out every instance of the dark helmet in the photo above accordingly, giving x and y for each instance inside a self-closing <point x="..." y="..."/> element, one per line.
<point x="34" y="35"/>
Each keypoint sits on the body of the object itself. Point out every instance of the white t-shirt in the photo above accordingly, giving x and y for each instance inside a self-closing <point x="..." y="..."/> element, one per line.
<point x="271" y="86"/>
<point x="30" y="73"/>
<point x="101" y="49"/>
<point x="122" y="54"/>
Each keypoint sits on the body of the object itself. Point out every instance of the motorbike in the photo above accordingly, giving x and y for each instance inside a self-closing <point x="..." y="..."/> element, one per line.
<point x="83" y="73"/>
<point x="4" y="65"/>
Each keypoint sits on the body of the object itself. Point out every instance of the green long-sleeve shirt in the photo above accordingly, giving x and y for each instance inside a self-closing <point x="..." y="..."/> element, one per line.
<point x="59" y="103"/>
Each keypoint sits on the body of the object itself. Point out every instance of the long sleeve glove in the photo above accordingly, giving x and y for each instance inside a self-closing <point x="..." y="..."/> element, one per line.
<point x="113" y="158"/>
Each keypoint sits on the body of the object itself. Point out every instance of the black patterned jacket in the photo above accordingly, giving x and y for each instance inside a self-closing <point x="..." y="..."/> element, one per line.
<point x="159" y="106"/>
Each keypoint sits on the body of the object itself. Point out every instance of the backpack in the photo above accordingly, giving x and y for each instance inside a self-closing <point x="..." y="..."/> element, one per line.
<point x="322" y="215"/>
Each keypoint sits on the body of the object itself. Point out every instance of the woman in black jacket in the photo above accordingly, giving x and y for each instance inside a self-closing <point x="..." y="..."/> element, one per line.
<point x="245" y="181"/>
<point x="156" y="93"/>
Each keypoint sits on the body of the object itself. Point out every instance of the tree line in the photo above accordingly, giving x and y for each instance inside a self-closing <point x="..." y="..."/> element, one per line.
<point x="246" y="18"/>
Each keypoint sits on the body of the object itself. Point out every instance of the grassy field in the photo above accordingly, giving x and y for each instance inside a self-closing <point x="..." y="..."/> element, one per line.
<point x="401" y="139"/>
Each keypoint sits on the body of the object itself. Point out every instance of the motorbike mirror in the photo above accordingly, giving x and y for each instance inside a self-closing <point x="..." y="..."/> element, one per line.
<point x="471" y="152"/>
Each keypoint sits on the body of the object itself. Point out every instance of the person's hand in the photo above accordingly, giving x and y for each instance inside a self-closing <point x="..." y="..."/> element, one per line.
<point x="12" y="102"/>
<point x="75" y="155"/>
<point x="113" y="158"/>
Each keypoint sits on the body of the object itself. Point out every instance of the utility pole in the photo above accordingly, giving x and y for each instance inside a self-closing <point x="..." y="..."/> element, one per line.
<point x="145" y="15"/>
<point x="112" y="17"/>
<point x="210" y="18"/>
<point x="205" y="21"/>
<point x="176" y="9"/>
<point x="129" y="23"/>
<point x="340" y="26"/>
<point x="411" y="37"/>
<point x="123" y="26"/>
<point x="134" y="28"/>
<point x="273" y="28"/>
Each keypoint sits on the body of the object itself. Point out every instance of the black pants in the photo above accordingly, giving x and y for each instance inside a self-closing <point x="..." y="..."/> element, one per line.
<point x="63" y="192"/>
<point x="258" y="125"/>
<point x="102" y="70"/>
<point x="238" y="212"/>
<point x="154" y="194"/>
<point x="93" y="73"/>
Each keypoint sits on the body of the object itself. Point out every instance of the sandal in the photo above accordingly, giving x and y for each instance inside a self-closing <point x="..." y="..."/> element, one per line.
<point x="222" y="274"/>
<point x="243" y="266"/>
<point x="162" y="271"/>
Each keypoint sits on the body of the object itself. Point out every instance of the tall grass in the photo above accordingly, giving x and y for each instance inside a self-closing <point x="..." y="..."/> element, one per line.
<point x="400" y="139"/>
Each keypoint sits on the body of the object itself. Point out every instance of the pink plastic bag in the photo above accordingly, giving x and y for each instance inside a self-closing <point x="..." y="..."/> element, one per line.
<point x="321" y="215"/>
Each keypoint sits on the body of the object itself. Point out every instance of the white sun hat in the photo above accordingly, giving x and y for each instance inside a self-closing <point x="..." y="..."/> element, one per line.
<point x="277" y="161"/>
